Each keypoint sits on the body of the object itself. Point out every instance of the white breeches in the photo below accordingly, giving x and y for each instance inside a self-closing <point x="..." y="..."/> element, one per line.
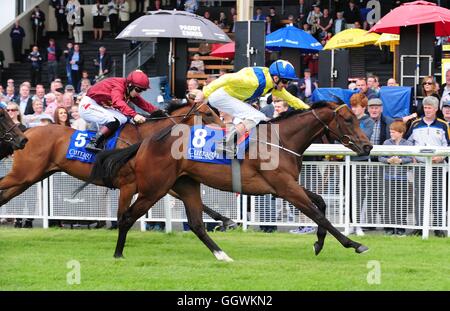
<point x="90" y="111"/>
<point x="235" y="107"/>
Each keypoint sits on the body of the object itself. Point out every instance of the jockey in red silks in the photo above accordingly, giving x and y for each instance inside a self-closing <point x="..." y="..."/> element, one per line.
<point x="105" y="103"/>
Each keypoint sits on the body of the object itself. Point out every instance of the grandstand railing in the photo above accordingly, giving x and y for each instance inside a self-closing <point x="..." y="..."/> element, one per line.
<point x="365" y="194"/>
<point x="138" y="56"/>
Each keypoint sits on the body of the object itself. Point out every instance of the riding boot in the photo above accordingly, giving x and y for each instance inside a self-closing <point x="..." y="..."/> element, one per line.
<point x="97" y="143"/>
<point x="227" y="143"/>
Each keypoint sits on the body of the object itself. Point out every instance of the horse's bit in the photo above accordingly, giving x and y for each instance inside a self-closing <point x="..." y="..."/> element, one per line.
<point x="6" y="135"/>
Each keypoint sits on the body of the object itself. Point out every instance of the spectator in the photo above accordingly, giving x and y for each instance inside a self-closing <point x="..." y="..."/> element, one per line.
<point x="140" y="6"/>
<point x="60" y="15"/>
<point x="313" y="20"/>
<point x="2" y="61"/>
<point x="276" y="23"/>
<point x="391" y="82"/>
<point x="428" y="89"/>
<point x="381" y="122"/>
<point x="85" y="84"/>
<point x="373" y="84"/>
<point x="303" y="11"/>
<point x="50" y="98"/>
<point x="427" y="131"/>
<point x="223" y="20"/>
<point x="79" y="25"/>
<point x="24" y="100"/>
<point x="113" y="14"/>
<point x="279" y="106"/>
<point x="13" y="111"/>
<point x="396" y="181"/>
<point x="32" y="120"/>
<point x="67" y="52"/>
<point x="10" y="94"/>
<point x="72" y="7"/>
<point x="307" y="85"/>
<point x="46" y="120"/>
<point x="76" y="61"/>
<point x="53" y="55"/>
<point x="352" y="15"/>
<point x="269" y="25"/>
<point x="103" y="63"/>
<point x="444" y="91"/>
<point x="98" y="19"/>
<point x="77" y="122"/>
<point x="192" y="84"/>
<point x="36" y="65"/>
<point x="325" y="24"/>
<point x="191" y="6"/>
<point x="67" y="101"/>
<point x="197" y="65"/>
<point x="61" y="116"/>
<point x="40" y="94"/>
<point x="37" y="24"/>
<point x="446" y="111"/>
<point x="233" y="23"/>
<point x="124" y="14"/>
<point x="339" y="23"/>
<point x="361" y="85"/>
<point x="259" y="16"/>
<point x="17" y="34"/>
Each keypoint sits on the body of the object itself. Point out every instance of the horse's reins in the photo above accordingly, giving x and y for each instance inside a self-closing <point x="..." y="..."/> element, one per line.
<point x="326" y="127"/>
<point x="6" y="135"/>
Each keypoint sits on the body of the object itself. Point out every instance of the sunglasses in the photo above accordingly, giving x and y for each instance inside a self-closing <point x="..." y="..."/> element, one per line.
<point x="9" y="110"/>
<point x="427" y="83"/>
<point x="138" y="89"/>
<point x="284" y="81"/>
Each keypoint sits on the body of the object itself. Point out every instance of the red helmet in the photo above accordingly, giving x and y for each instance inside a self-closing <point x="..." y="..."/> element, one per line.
<point x="138" y="78"/>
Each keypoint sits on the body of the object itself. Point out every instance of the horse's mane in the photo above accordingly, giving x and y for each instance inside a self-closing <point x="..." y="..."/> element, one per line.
<point x="288" y="114"/>
<point x="175" y="105"/>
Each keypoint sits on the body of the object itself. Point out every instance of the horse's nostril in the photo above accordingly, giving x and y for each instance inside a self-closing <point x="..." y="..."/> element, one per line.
<point x="23" y="142"/>
<point x="367" y="148"/>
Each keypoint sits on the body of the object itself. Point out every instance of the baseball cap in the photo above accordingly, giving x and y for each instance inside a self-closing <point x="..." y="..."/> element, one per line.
<point x="69" y="87"/>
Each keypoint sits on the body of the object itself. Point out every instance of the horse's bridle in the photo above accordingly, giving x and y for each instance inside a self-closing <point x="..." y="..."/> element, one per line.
<point x="5" y="135"/>
<point x="344" y="139"/>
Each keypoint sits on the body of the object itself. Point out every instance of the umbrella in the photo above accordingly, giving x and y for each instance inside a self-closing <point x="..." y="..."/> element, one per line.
<point x="351" y="38"/>
<point x="415" y="13"/>
<point x="173" y="24"/>
<point x="225" y="51"/>
<point x="294" y="38"/>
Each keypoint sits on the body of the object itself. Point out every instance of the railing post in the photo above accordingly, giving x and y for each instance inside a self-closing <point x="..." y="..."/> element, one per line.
<point x="427" y="199"/>
<point x="448" y="200"/>
<point x="347" y="195"/>
<point x="44" y="202"/>
<point x="124" y="61"/>
<point x="168" y="213"/>
<point x="244" y="211"/>
<point x="139" y="56"/>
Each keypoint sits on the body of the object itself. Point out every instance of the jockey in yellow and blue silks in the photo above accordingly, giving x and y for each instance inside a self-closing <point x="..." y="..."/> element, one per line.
<point x="230" y="92"/>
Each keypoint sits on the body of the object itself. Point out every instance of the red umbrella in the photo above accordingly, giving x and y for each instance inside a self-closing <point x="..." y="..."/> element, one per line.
<point x="225" y="51"/>
<point x="411" y="14"/>
<point x="415" y="13"/>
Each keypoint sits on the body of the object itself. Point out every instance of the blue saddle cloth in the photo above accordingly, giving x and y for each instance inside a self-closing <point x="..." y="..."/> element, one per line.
<point x="202" y="146"/>
<point x="80" y="139"/>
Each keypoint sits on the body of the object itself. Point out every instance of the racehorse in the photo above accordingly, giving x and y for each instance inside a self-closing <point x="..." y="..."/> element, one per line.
<point x="296" y="130"/>
<point x="46" y="150"/>
<point x="11" y="137"/>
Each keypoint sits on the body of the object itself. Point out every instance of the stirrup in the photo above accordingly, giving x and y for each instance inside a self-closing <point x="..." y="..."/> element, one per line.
<point x="92" y="147"/>
<point x="228" y="149"/>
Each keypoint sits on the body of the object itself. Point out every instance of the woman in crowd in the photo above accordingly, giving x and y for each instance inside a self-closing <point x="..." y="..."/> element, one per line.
<point x="61" y="116"/>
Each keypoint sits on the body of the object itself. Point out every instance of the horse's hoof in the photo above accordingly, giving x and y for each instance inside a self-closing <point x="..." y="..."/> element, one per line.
<point x="118" y="256"/>
<point x="229" y="225"/>
<point x="361" y="249"/>
<point x="317" y="248"/>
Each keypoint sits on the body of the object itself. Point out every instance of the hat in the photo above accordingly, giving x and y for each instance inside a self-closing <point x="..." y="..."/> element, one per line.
<point x="446" y="102"/>
<point x="59" y="90"/>
<point x="69" y="87"/>
<point x="375" y="102"/>
<point x="45" y="116"/>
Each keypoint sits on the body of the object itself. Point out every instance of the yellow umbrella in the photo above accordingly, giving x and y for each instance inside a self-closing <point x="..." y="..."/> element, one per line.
<point x="351" y="38"/>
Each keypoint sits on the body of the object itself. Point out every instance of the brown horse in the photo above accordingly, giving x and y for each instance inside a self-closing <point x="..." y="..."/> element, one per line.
<point x="46" y="150"/>
<point x="11" y="137"/>
<point x="295" y="130"/>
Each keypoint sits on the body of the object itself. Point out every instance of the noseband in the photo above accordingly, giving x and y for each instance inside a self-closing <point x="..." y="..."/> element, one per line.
<point x="343" y="139"/>
<point x="6" y="135"/>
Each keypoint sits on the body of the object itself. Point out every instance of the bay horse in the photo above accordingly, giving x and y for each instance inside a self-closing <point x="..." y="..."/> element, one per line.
<point x="296" y="131"/>
<point x="45" y="154"/>
<point x="11" y="137"/>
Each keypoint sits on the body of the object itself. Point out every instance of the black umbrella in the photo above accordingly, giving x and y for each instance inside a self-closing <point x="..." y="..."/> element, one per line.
<point x="173" y="24"/>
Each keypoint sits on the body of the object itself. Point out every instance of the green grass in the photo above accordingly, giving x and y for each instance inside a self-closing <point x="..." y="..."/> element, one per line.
<point x="37" y="260"/>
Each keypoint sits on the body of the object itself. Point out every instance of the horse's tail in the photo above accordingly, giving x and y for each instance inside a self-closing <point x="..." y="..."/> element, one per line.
<point x="107" y="165"/>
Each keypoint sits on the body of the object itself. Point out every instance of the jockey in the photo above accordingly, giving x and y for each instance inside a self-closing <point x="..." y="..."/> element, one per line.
<point x="105" y="103"/>
<point x="230" y="91"/>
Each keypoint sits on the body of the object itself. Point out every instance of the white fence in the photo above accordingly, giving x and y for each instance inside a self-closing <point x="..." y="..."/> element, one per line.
<point x="365" y="194"/>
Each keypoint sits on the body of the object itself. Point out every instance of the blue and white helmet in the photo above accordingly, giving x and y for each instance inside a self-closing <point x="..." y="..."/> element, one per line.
<point x="283" y="69"/>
